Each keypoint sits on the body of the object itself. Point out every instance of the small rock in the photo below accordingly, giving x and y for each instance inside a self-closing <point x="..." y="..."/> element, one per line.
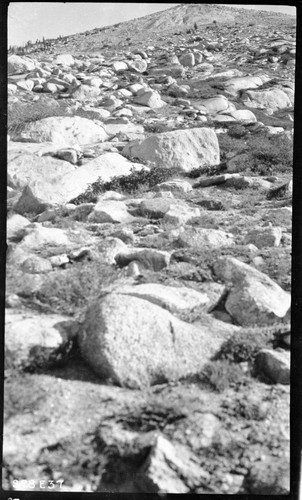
<point x="35" y="265"/>
<point x="28" y="332"/>
<point x="151" y="99"/>
<point x="59" y="260"/>
<point x="169" y="469"/>
<point x="14" y="227"/>
<point x="180" y="213"/>
<point x="109" y="248"/>
<point x="149" y="259"/>
<point x="275" y="364"/>
<point x="187" y="60"/>
<point x="64" y="60"/>
<point x="110" y="211"/>
<point x="200" y="237"/>
<point x="176" y="186"/>
<point x="155" y="208"/>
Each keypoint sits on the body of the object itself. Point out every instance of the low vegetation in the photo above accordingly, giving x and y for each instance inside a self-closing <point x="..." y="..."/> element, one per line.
<point x="266" y="155"/>
<point x="137" y="181"/>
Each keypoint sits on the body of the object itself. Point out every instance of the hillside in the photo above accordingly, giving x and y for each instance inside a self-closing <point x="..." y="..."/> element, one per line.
<point x="148" y="277"/>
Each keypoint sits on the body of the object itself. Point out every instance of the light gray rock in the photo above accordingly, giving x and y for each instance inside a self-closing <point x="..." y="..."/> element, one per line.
<point x="244" y="115"/>
<point x="185" y="149"/>
<point x="25" y="84"/>
<point x="111" y="195"/>
<point x="85" y="92"/>
<point x="136" y="343"/>
<point x="64" y="131"/>
<point x="272" y="98"/>
<point x="138" y="65"/>
<point x="119" y="66"/>
<point x="131" y="130"/>
<point x="169" y="469"/>
<point x="27" y="331"/>
<point x="17" y="65"/>
<point x="254" y="299"/>
<point x="110" y="211"/>
<point x="149" y="98"/>
<point x="26" y="169"/>
<point x="42" y="194"/>
<point x="199" y="237"/>
<point x="173" y="299"/>
<point x="175" y="186"/>
<point x="36" y="265"/>
<point x="242" y="182"/>
<point x="14" y="227"/>
<point x="180" y="213"/>
<point x="109" y="248"/>
<point x="59" y="260"/>
<point x="174" y="70"/>
<point x="213" y="105"/>
<point x="64" y="60"/>
<point x="39" y="236"/>
<point x="248" y="82"/>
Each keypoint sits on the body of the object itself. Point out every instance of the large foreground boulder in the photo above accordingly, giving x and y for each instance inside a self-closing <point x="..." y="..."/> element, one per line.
<point x="64" y="131"/>
<point x="136" y="343"/>
<point x="185" y="149"/>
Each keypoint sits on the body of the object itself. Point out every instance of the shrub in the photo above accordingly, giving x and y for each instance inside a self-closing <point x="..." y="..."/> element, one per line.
<point x="243" y="346"/>
<point x="20" y="113"/>
<point x="237" y="131"/>
<point x="266" y="154"/>
<point x="229" y="144"/>
<point x="136" y="181"/>
<point x="70" y="290"/>
<point x="221" y="375"/>
<point x="274" y="154"/>
<point x="206" y="170"/>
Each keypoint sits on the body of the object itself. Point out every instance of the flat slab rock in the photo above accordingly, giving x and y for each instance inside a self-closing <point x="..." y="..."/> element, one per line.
<point x="171" y="298"/>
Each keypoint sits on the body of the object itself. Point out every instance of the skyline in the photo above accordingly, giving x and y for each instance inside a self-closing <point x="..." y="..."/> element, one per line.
<point x="35" y="20"/>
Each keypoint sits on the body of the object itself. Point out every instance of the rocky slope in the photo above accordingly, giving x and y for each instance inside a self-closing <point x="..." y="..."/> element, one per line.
<point x="148" y="257"/>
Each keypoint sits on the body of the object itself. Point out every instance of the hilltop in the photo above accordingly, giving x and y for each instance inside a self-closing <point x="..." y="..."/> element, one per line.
<point x="160" y="25"/>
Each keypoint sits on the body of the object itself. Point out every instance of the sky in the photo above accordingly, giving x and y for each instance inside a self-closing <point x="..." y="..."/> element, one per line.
<point x="33" y="20"/>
